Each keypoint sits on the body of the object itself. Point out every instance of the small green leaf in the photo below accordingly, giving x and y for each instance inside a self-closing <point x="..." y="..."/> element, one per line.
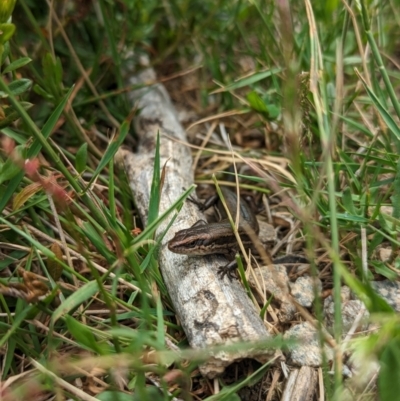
<point x="257" y="77"/>
<point x="18" y="138"/>
<point x="115" y="395"/>
<point x="19" y="86"/>
<point x="273" y="111"/>
<point x="263" y="105"/>
<point x="52" y="70"/>
<point x="348" y="201"/>
<point x="350" y="218"/>
<point x="256" y="102"/>
<point x="377" y="239"/>
<point x="6" y="9"/>
<point x="83" y="335"/>
<point x="385" y="224"/>
<point x="6" y="32"/>
<point x="81" y="158"/>
<point x="383" y="270"/>
<point x="152" y="393"/>
<point x="17" y="64"/>
<point x="42" y="92"/>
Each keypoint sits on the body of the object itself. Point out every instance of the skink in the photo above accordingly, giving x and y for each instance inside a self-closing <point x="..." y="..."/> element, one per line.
<point x="206" y="239"/>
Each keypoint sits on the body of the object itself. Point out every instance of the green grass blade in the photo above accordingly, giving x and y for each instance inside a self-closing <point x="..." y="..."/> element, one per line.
<point x="110" y="151"/>
<point x="155" y="191"/>
<point x="16" y="323"/>
<point x="74" y="300"/>
<point x="148" y="232"/>
<point x="382" y="110"/>
<point x="257" y="77"/>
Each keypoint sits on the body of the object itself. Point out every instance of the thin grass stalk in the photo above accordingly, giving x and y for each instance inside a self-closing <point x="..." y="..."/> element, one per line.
<point x="338" y="106"/>
<point x="318" y="90"/>
<point x="111" y="187"/>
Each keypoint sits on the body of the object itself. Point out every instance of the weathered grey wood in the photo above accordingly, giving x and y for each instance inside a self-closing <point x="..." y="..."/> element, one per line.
<point x="301" y="385"/>
<point x="212" y="311"/>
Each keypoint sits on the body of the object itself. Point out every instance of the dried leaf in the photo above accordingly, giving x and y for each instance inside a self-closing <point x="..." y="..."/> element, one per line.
<point x="32" y="290"/>
<point x="55" y="268"/>
<point x="26" y="194"/>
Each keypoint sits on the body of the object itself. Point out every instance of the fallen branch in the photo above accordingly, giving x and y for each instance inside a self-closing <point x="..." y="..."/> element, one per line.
<point x="211" y="311"/>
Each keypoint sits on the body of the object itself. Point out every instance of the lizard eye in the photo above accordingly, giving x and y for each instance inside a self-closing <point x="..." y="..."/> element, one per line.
<point x="192" y="244"/>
